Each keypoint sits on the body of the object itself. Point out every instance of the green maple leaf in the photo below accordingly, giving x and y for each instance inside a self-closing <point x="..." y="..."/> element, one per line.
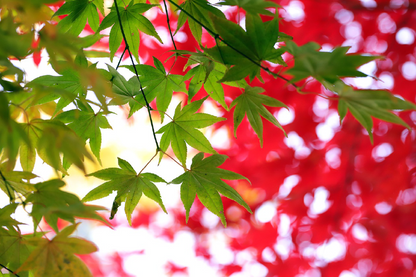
<point x="72" y="84"/>
<point x="252" y="6"/>
<point x="251" y="103"/>
<point x="200" y="10"/>
<point x="364" y="104"/>
<point x="56" y="257"/>
<point x="50" y="138"/>
<point x="157" y="83"/>
<point x="87" y="124"/>
<point x="50" y="202"/>
<point x="255" y="45"/>
<point x="13" y="250"/>
<point x="182" y="130"/>
<point x="132" y="21"/>
<point x="5" y="216"/>
<point x="13" y="181"/>
<point x="324" y="66"/>
<point x="11" y="135"/>
<point x="78" y="12"/>
<point x="204" y="180"/>
<point x="129" y="185"/>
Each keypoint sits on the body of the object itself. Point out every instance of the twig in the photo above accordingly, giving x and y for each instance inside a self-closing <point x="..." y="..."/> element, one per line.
<point x="137" y="75"/>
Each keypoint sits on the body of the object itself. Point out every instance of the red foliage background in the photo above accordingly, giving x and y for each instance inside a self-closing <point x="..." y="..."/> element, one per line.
<point x="365" y="223"/>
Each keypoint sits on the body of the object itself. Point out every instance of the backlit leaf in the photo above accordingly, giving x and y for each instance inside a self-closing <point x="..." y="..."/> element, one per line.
<point x="204" y="180"/>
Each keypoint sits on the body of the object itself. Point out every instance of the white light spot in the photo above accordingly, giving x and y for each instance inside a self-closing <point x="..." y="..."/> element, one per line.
<point x="293" y="140"/>
<point x="360" y="232"/>
<point x="288" y="184"/>
<point x="326" y="130"/>
<point x="266" y="212"/>
<point x="320" y="202"/>
<point x="386" y="24"/>
<point x="409" y="71"/>
<point x="284" y="225"/>
<point x="209" y="220"/>
<point x="285" y="116"/>
<point x="352" y="30"/>
<point x="344" y="16"/>
<point x="268" y="255"/>
<point x="369" y="3"/>
<point x="406" y="243"/>
<point x="332" y="157"/>
<point x="332" y="250"/>
<point x="383" y="207"/>
<point x="283" y="247"/>
<point x="382" y="151"/>
<point x="346" y="273"/>
<point x="386" y="81"/>
<point x="294" y="11"/>
<point x="406" y="197"/>
<point x="405" y="36"/>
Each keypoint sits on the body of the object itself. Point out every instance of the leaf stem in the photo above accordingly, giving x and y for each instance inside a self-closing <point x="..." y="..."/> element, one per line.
<point x="164" y="113"/>
<point x="11" y="271"/>
<point x="137" y="75"/>
<point x="217" y="36"/>
<point x="173" y="159"/>
<point x="148" y="162"/>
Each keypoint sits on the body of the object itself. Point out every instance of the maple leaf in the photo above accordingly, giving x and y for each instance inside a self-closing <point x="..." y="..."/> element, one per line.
<point x="255" y="45"/>
<point x="129" y="186"/>
<point x="204" y="180"/>
<point x="364" y="104"/>
<point x="200" y="10"/>
<point x="251" y="103"/>
<point x="52" y="137"/>
<point x="252" y="6"/>
<point x="132" y="21"/>
<point x="78" y="12"/>
<point x="156" y="82"/>
<point x="5" y="213"/>
<point x="208" y="73"/>
<point x="86" y="124"/>
<point x="70" y="85"/>
<point x="56" y="257"/>
<point x="183" y="129"/>
<point x="52" y="203"/>
<point x="13" y="250"/>
<point x="324" y="66"/>
<point x="12" y="181"/>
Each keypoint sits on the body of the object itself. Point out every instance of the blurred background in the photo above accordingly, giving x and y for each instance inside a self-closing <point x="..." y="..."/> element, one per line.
<point x="326" y="201"/>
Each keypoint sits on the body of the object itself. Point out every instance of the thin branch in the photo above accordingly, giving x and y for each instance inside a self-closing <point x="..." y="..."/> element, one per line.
<point x="5" y="267"/>
<point x="215" y="35"/>
<point x="137" y="75"/>
<point x="167" y="19"/>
